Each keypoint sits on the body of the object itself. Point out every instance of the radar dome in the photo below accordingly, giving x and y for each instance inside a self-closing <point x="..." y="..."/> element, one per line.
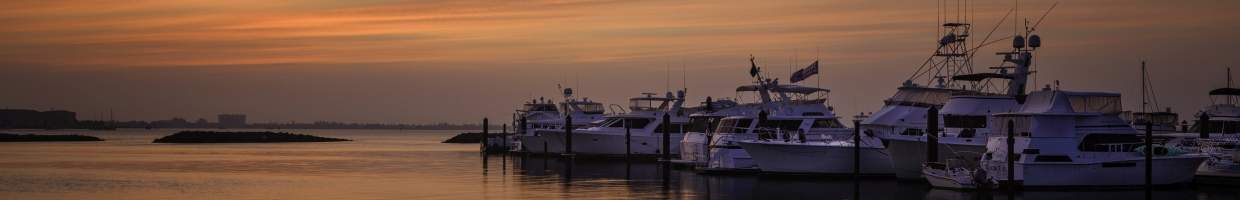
<point x="1035" y="41"/>
<point x="1018" y="42"/>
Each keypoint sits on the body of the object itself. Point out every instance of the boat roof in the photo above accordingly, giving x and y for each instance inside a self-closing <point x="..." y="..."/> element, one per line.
<point x="1225" y="91"/>
<point x="980" y="76"/>
<point x="1061" y="102"/>
<point x="783" y="88"/>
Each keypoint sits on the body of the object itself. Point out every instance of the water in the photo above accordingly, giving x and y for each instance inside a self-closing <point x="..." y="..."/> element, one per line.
<point x="405" y="164"/>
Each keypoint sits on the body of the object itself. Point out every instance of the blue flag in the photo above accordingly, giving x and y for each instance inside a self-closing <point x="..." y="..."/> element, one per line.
<point x="802" y="74"/>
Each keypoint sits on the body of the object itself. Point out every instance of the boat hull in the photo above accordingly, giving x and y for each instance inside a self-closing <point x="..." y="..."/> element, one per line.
<point x="610" y="144"/>
<point x="1168" y="171"/>
<point x="907" y="156"/>
<point x="781" y="157"/>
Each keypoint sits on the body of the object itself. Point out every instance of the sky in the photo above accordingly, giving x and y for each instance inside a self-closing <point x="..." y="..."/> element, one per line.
<point x="380" y="61"/>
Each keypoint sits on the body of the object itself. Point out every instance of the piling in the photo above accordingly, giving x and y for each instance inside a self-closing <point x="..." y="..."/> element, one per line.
<point x="667" y="153"/>
<point x="485" y="137"/>
<point x="857" y="150"/>
<point x="856" y="159"/>
<point x="932" y="135"/>
<point x="628" y="138"/>
<point x="1203" y="126"/>
<point x="667" y="137"/>
<point x="503" y="138"/>
<point x="568" y="135"/>
<point x="1149" y="158"/>
<point x="1011" y="156"/>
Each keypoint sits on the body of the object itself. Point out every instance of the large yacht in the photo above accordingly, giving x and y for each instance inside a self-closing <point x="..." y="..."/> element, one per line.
<point x="542" y="116"/>
<point x="693" y="147"/>
<point x="1067" y="138"/>
<point x="965" y="116"/>
<point x="725" y="154"/>
<point x="782" y="147"/>
<point x="645" y="126"/>
<point x="1220" y="123"/>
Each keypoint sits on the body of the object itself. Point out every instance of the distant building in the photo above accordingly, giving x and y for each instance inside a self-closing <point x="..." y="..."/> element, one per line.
<point x="232" y="121"/>
<point x="32" y="119"/>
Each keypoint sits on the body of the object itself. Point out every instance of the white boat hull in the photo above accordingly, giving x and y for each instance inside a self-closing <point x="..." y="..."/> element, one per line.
<point x="1167" y="171"/>
<point x="907" y="156"/>
<point x="606" y="144"/>
<point x="693" y="148"/>
<point x="817" y="158"/>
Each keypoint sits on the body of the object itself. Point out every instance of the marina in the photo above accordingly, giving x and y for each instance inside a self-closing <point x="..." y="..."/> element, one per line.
<point x="591" y="99"/>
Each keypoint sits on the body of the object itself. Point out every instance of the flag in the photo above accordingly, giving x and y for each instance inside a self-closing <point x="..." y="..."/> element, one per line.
<point x="753" y="67"/>
<point x="802" y="74"/>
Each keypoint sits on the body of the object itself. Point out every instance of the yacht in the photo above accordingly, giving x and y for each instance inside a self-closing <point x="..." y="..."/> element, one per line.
<point x="645" y="126"/>
<point x="792" y="101"/>
<point x="902" y="119"/>
<point x="1220" y="123"/>
<point x="782" y="147"/>
<point x="542" y="115"/>
<point x="1067" y="138"/>
<point x="693" y="147"/>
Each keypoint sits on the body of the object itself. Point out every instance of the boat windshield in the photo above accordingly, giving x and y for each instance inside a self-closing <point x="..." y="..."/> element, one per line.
<point x="1161" y="118"/>
<point x="701" y="124"/>
<point x="964" y="121"/>
<point x="618" y="122"/>
<point x="648" y="104"/>
<point x="540" y="107"/>
<point x="585" y="107"/>
<point x="1098" y="104"/>
<point x="919" y="96"/>
<point x="734" y="125"/>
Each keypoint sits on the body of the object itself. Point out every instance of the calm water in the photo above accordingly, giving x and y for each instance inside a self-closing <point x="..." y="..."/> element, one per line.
<point x="390" y="164"/>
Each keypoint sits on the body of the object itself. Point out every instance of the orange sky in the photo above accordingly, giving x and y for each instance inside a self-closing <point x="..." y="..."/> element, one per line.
<point x="457" y="61"/>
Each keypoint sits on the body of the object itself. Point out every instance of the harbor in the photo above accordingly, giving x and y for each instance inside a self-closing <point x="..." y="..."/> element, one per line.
<point x="602" y="99"/>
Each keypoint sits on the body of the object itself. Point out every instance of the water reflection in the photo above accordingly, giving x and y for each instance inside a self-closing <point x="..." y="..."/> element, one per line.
<point x="646" y="177"/>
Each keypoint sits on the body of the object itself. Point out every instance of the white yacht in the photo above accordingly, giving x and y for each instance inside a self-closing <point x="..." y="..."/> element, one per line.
<point x="542" y="115"/>
<point x="693" y="147"/>
<point x="645" y="127"/>
<point x="782" y="147"/>
<point x="790" y="101"/>
<point x="1066" y="138"/>
<point x="1220" y="122"/>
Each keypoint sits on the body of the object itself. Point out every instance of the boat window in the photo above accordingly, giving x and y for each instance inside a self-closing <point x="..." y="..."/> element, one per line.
<point x="786" y="125"/>
<point x="675" y="128"/>
<point x="540" y="107"/>
<point x="1219" y="127"/>
<point x="913" y="132"/>
<point x="964" y="121"/>
<point x="700" y="124"/>
<point x="733" y="125"/>
<point x="967" y="133"/>
<point x="812" y="114"/>
<point x="643" y="104"/>
<point x="1110" y="143"/>
<point x="636" y="123"/>
<point x="920" y="96"/>
<point x="587" y="108"/>
<point x="1099" y="104"/>
<point x="1052" y="158"/>
<point x="827" y="123"/>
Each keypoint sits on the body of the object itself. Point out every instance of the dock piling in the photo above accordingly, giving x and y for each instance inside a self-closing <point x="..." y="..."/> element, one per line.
<point x="568" y="135"/>
<point x="485" y="143"/>
<point x="932" y="135"/>
<point x="1149" y="158"/>
<point x="1011" y="156"/>
<point x="1203" y="126"/>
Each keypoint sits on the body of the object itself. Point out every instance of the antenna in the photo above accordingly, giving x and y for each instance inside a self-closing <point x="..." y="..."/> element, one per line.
<point x="667" y="65"/>
<point x="1144" y="99"/>
<point x="1035" y="24"/>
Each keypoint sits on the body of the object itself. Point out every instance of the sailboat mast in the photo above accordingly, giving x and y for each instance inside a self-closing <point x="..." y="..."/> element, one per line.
<point x="1144" y="99"/>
